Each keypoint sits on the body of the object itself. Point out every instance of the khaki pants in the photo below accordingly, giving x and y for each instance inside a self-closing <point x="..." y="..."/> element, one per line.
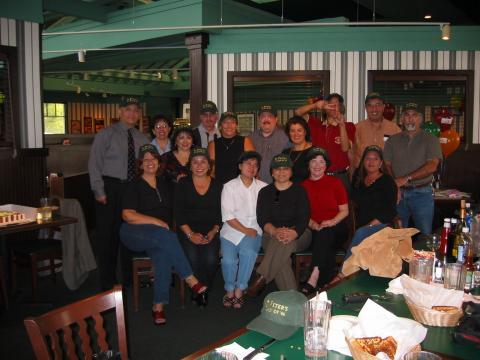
<point x="277" y="264"/>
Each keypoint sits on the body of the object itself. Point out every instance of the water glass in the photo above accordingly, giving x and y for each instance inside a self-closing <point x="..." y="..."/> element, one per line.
<point x="317" y="319"/>
<point x="44" y="213"/>
<point x="454" y="276"/>
<point x="421" y="355"/>
<point x="421" y="269"/>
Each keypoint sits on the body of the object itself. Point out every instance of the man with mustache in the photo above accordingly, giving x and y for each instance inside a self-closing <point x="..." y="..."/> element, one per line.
<point x="374" y="130"/>
<point x="412" y="157"/>
<point x="268" y="140"/>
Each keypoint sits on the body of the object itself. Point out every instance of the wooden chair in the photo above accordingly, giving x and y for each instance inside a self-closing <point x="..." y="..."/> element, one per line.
<point x="3" y="284"/>
<point x="67" y="332"/>
<point x="142" y="266"/>
<point x="303" y="259"/>
<point x="32" y="251"/>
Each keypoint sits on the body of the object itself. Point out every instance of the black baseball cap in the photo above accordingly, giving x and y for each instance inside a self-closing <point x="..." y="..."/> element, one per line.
<point x="374" y="95"/>
<point x="209" y="107"/>
<point x="129" y="101"/>
<point x="267" y="108"/>
<point x="147" y="148"/>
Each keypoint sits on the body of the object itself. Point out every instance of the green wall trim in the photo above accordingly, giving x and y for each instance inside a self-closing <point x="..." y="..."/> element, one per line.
<point x="341" y="38"/>
<point x="26" y="10"/>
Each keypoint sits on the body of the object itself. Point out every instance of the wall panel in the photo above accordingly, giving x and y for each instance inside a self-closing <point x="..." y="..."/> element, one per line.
<point x="348" y="72"/>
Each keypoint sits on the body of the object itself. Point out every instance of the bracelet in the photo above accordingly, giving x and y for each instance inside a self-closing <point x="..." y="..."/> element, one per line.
<point x="189" y="235"/>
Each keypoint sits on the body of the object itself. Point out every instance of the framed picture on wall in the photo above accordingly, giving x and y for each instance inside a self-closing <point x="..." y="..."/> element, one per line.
<point x="75" y="127"/>
<point x="186" y="111"/>
<point x="99" y="125"/>
<point x="87" y="125"/>
<point x="246" y="123"/>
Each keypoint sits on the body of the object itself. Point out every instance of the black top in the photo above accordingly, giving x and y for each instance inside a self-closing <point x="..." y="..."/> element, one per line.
<point x="377" y="201"/>
<point x="200" y="212"/>
<point x="173" y="168"/>
<point x="227" y="152"/>
<point x="286" y="208"/>
<point x="300" y="164"/>
<point x="144" y="199"/>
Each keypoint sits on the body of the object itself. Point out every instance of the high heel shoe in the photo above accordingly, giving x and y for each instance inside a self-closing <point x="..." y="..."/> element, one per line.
<point x="200" y="294"/>
<point x="159" y="317"/>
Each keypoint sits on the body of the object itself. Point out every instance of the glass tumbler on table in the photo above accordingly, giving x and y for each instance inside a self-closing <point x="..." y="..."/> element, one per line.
<point x="455" y="274"/>
<point x="317" y="319"/>
<point x="421" y="269"/>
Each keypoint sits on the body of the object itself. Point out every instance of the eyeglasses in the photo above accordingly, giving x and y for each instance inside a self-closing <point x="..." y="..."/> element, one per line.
<point x="276" y="201"/>
<point x="161" y="126"/>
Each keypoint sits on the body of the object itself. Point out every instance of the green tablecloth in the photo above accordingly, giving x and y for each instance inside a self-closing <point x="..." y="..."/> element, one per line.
<point x="438" y="339"/>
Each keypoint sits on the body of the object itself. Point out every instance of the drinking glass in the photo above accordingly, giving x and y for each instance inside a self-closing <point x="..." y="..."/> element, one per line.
<point x="45" y="210"/>
<point x="421" y="355"/>
<point x="317" y="319"/>
<point x="454" y="276"/>
<point x="421" y="269"/>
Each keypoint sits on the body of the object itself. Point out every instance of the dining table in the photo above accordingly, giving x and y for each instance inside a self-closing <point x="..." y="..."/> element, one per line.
<point x="438" y="339"/>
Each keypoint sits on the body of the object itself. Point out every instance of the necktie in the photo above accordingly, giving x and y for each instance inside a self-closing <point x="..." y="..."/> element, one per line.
<point x="208" y="137"/>
<point x="131" y="157"/>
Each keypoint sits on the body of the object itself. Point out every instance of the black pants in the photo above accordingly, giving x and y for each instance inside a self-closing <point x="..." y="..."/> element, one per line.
<point x="325" y="244"/>
<point x="108" y="221"/>
<point x="202" y="258"/>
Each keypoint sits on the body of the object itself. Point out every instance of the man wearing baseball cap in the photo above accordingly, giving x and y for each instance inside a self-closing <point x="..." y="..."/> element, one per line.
<point x="111" y="166"/>
<point x="268" y="139"/>
<point x="207" y="130"/>
<point x="375" y="129"/>
<point x="412" y="157"/>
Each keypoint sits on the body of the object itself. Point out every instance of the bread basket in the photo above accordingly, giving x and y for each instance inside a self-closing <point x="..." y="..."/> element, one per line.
<point x="432" y="317"/>
<point x="359" y="354"/>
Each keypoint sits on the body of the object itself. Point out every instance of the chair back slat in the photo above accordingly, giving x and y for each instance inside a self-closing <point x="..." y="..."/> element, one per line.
<point x="69" y="343"/>
<point x="68" y="318"/>
<point x="85" y="339"/>
<point x="101" y="334"/>
<point x="55" y="346"/>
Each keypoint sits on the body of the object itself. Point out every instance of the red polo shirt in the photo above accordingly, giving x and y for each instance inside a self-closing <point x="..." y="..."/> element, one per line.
<point x="325" y="195"/>
<point x="328" y="137"/>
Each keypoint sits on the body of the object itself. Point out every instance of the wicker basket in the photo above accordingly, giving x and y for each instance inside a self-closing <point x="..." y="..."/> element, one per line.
<point x="358" y="354"/>
<point x="432" y="317"/>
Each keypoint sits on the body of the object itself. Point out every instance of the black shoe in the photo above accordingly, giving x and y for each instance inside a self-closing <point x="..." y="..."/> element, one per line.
<point x="201" y="299"/>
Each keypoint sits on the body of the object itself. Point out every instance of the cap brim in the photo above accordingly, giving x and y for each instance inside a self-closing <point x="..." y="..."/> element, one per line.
<point x="272" y="329"/>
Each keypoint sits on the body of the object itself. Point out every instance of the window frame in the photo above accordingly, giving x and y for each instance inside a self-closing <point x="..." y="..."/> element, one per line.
<point x="44" y="116"/>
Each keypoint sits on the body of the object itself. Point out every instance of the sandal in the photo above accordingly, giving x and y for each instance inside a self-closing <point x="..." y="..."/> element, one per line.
<point x="238" y="302"/>
<point x="307" y="289"/>
<point x="159" y="317"/>
<point x="198" y="288"/>
<point x="228" y="301"/>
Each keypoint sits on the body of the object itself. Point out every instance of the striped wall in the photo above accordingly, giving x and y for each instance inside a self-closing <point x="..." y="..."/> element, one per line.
<point x="348" y="71"/>
<point x="25" y="36"/>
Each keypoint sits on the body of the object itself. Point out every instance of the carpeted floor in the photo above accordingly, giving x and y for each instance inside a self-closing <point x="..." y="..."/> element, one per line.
<point x="188" y="329"/>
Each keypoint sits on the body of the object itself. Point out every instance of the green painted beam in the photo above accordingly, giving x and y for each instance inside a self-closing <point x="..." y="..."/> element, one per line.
<point x="235" y="13"/>
<point x="78" y="8"/>
<point x="26" y="10"/>
<point x="343" y="38"/>
<point x="161" y="13"/>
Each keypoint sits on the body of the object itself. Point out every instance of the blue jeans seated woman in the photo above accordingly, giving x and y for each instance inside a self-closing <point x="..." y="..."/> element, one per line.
<point x="361" y="234"/>
<point x="238" y="261"/>
<point x="163" y="247"/>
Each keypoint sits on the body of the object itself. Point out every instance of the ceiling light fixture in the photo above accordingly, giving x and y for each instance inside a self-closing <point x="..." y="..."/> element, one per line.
<point x="79" y="90"/>
<point x="159" y="75"/>
<point x="86" y="76"/>
<point x="427" y="16"/>
<point x="81" y="56"/>
<point x="445" y="31"/>
<point x="175" y="74"/>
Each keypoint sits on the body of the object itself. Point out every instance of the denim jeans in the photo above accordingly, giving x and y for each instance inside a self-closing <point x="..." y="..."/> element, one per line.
<point x="361" y="234"/>
<point x="418" y="204"/>
<point x="238" y="261"/>
<point x="163" y="247"/>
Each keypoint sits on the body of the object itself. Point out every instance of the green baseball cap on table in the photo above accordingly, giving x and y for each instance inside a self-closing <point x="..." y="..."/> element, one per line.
<point x="209" y="107"/>
<point x="281" y="316"/>
<point x="281" y="160"/>
<point x="268" y="109"/>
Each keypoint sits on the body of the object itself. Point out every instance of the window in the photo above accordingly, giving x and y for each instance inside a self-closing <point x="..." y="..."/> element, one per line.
<point x="54" y="118"/>
<point x="7" y="136"/>
<point x="446" y="96"/>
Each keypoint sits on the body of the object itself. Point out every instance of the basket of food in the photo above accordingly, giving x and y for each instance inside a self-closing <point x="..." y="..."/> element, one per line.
<point x="367" y="348"/>
<point x="442" y="316"/>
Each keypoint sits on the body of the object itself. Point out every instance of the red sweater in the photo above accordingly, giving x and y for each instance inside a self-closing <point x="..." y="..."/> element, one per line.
<point x="325" y="195"/>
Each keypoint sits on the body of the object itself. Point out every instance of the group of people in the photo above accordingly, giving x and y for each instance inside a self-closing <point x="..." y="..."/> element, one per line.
<point x="192" y="197"/>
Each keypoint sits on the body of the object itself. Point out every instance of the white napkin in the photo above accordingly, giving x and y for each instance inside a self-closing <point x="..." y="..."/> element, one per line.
<point x="321" y="297"/>
<point x="336" y="333"/>
<point x="374" y="320"/>
<point x="240" y="352"/>
<point x="428" y="295"/>
<point x="395" y="285"/>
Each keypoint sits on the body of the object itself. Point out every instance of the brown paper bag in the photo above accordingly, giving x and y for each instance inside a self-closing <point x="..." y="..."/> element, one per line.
<point x="381" y="253"/>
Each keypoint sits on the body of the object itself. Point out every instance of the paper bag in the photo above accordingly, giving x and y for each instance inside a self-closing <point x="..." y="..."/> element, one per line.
<point x="381" y="253"/>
